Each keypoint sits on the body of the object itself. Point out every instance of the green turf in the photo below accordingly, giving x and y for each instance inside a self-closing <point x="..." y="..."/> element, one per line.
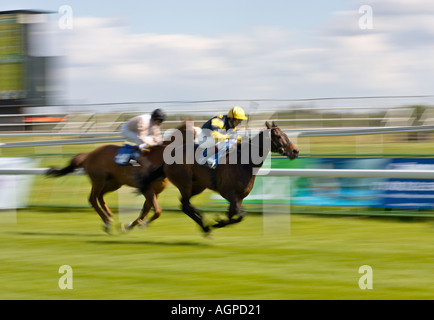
<point x="318" y="258"/>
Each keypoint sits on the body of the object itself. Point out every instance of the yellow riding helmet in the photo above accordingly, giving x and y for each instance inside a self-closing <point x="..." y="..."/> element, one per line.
<point x="237" y="113"/>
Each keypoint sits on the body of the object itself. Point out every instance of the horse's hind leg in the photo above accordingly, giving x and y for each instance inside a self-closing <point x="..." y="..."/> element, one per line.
<point x="191" y="210"/>
<point x="94" y="194"/>
<point x="157" y="210"/>
<point x="182" y="178"/>
<point x="194" y="214"/>
<point x="108" y="187"/>
<point x="104" y="206"/>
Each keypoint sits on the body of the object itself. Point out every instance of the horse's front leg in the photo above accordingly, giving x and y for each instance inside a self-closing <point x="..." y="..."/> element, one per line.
<point x="142" y="220"/>
<point x="157" y="209"/>
<point x="195" y="214"/>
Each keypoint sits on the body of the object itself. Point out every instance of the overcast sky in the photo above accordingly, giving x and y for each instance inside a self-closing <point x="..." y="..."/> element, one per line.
<point x="243" y="49"/>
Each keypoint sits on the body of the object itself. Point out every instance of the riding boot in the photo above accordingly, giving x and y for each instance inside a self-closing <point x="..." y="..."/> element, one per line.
<point x="208" y="161"/>
<point x="212" y="163"/>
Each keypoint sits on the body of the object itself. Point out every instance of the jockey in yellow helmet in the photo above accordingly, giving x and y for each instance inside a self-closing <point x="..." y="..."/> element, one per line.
<point x="220" y="129"/>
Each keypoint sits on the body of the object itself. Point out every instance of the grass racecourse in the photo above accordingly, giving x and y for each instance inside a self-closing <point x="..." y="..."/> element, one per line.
<point x="295" y="256"/>
<point x="317" y="258"/>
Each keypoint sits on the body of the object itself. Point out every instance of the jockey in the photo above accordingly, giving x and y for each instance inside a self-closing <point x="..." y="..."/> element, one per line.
<point x="219" y="130"/>
<point x="144" y="130"/>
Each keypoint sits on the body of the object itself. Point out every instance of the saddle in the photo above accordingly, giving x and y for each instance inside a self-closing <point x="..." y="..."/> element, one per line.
<point x="125" y="154"/>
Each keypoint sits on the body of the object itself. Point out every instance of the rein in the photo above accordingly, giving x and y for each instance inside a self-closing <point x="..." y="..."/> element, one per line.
<point x="278" y="149"/>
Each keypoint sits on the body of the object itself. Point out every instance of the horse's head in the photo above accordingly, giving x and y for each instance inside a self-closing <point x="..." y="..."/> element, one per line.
<point x="280" y="142"/>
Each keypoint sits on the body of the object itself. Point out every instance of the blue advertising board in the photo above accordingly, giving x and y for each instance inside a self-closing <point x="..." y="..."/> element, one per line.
<point x="347" y="192"/>
<point x="408" y="193"/>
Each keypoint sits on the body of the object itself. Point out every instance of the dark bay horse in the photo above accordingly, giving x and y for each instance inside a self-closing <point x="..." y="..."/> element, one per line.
<point x="233" y="181"/>
<point x="107" y="176"/>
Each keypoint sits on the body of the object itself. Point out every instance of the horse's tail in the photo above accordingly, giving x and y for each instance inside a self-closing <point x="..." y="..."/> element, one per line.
<point x="75" y="163"/>
<point x="146" y="180"/>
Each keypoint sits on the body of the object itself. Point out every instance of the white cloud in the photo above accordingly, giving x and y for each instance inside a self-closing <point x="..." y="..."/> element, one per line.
<point x="401" y="7"/>
<point x="107" y="63"/>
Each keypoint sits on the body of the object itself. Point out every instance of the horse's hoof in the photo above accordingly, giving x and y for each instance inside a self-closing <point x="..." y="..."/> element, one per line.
<point x="208" y="235"/>
<point x="122" y="228"/>
<point x="107" y="228"/>
<point x="207" y="232"/>
<point x="236" y="220"/>
<point x="143" y="224"/>
<point x="220" y="224"/>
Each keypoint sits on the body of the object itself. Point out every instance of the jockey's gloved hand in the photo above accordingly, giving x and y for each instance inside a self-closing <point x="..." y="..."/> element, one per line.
<point x="143" y="147"/>
<point x="234" y="137"/>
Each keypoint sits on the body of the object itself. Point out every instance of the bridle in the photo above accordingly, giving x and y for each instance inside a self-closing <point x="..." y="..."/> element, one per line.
<point x="275" y="147"/>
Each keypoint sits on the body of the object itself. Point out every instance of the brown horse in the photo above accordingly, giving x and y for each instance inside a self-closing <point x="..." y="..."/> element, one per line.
<point x="107" y="176"/>
<point x="233" y="181"/>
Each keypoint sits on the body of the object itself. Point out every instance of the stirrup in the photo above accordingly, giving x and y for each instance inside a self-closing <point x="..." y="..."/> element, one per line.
<point x="208" y="162"/>
<point x="134" y="163"/>
<point x="212" y="166"/>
